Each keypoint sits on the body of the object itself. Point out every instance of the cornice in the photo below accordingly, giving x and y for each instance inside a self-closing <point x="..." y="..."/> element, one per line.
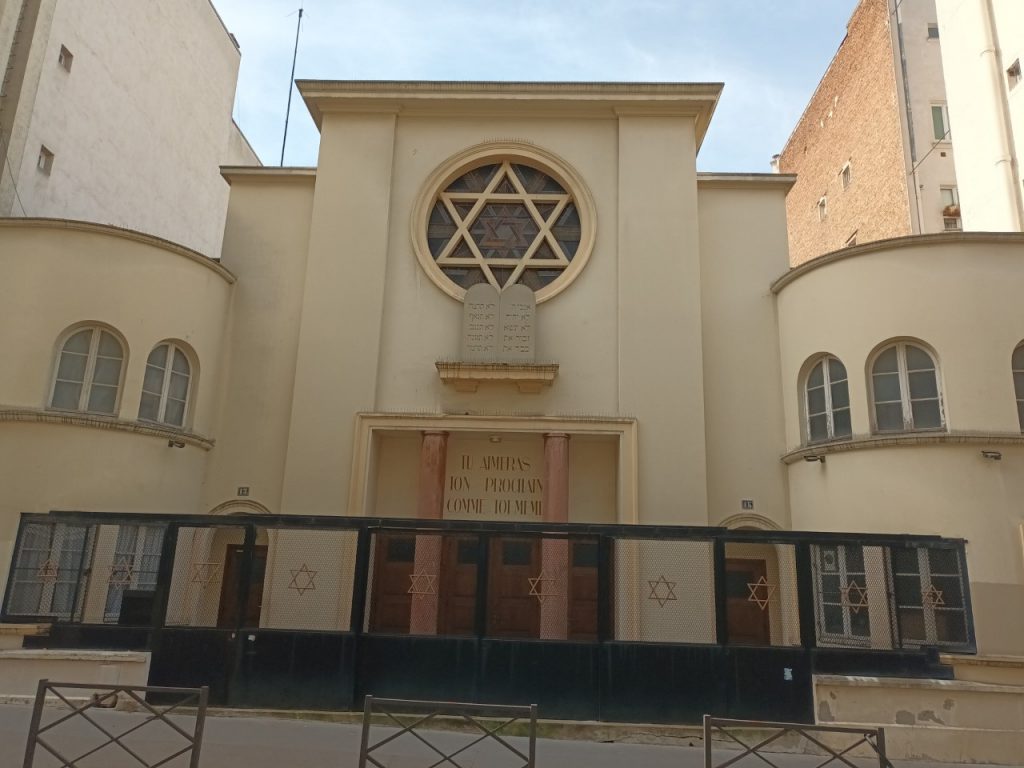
<point x="38" y="416"/>
<point x="457" y="98"/>
<point x="783" y="181"/>
<point x="897" y="243"/>
<point x="900" y="440"/>
<point x="267" y="174"/>
<point x="126" y="234"/>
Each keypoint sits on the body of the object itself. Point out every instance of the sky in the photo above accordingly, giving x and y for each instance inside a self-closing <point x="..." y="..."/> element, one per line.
<point x="769" y="53"/>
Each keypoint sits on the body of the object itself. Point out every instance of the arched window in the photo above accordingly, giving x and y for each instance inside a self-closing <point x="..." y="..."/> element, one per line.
<point x="88" y="374"/>
<point x="905" y="389"/>
<point x="1018" y="382"/>
<point x="827" y="401"/>
<point x="166" y="385"/>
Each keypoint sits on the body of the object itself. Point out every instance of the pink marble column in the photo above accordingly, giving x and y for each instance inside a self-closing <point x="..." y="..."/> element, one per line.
<point x="554" y="608"/>
<point x="426" y="574"/>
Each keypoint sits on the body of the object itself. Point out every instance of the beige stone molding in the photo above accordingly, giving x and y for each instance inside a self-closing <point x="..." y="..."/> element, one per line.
<point x="987" y="660"/>
<point x="783" y="181"/>
<point x="529" y="378"/>
<point x="895" y="243"/>
<point x="580" y="100"/>
<point x="33" y="654"/>
<point x="38" y="416"/>
<point x="370" y="424"/>
<point x="962" y="686"/>
<point x="864" y="442"/>
<point x="269" y="175"/>
<point x="127" y="234"/>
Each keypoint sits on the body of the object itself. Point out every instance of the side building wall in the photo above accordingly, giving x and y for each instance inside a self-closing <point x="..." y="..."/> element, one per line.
<point x="853" y="117"/>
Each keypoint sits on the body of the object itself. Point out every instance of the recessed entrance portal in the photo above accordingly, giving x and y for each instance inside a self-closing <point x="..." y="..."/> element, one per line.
<point x="748" y="609"/>
<point x="228" y="612"/>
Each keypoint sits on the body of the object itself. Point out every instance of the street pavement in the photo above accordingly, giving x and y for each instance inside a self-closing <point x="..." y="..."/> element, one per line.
<point x="262" y="742"/>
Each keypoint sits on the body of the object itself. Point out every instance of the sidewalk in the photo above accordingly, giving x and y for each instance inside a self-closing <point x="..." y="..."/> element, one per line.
<point x="261" y="742"/>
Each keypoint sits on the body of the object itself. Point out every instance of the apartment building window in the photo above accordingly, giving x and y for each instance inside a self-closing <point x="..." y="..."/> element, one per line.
<point x="827" y="401"/>
<point x="1013" y="75"/>
<point x="65" y="58"/>
<point x="940" y="122"/>
<point x="822" y="208"/>
<point x="1017" y="364"/>
<point x="950" y="209"/>
<point x="45" y="161"/>
<point x="846" y="176"/>
<point x="933" y="31"/>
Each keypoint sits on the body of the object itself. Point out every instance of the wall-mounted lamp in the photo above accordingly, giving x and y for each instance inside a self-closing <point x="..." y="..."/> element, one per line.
<point x="815" y="457"/>
<point x="172" y="443"/>
<point x="994" y="455"/>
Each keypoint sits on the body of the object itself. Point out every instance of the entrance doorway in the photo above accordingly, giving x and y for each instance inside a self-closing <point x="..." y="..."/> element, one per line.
<point x="749" y="621"/>
<point x="228" y="612"/>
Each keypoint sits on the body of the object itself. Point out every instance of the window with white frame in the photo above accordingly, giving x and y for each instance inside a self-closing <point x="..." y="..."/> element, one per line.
<point x="49" y="573"/>
<point x="827" y="401"/>
<point x="135" y="565"/>
<point x="842" y="592"/>
<point x="88" y="375"/>
<point x="822" y="208"/>
<point x="1018" y="382"/>
<point x="928" y="587"/>
<point x="933" y="31"/>
<point x="165" y="387"/>
<point x="846" y="176"/>
<point x="940" y="122"/>
<point x="905" y="389"/>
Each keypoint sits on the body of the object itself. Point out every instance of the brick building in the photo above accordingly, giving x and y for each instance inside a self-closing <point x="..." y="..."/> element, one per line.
<point x="872" y="150"/>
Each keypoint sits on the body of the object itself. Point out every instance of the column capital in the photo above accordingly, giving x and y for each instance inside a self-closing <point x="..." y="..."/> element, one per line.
<point x="548" y="435"/>
<point x="434" y="432"/>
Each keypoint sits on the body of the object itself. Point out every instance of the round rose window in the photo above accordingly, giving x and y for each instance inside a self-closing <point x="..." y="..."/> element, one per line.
<point x="505" y="220"/>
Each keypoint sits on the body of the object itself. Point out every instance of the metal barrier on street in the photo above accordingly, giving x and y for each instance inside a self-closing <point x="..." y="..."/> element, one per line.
<point x="874" y="738"/>
<point x="105" y="697"/>
<point x="423" y="712"/>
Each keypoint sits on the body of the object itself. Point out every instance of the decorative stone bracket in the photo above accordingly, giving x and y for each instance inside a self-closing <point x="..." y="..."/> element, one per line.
<point x="529" y="378"/>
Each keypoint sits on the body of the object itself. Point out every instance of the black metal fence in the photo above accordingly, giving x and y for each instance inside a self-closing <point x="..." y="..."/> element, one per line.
<point x="297" y="611"/>
<point x="134" y="739"/>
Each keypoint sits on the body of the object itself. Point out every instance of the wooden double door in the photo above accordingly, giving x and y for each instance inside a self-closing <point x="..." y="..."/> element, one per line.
<point x="518" y="585"/>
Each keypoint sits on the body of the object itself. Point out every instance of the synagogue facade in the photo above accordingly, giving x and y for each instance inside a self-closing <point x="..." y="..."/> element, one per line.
<point x="506" y="303"/>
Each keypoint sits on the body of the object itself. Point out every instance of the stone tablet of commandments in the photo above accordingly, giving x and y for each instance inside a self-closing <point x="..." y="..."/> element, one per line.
<point x="517" y="325"/>
<point x="480" y="324"/>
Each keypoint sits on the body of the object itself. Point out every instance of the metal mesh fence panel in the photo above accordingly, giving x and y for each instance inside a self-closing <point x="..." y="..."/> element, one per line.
<point x="762" y="605"/>
<point x="206" y="578"/>
<point x="125" y="566"/>
<point x="851" y="596"/>
<point x="49" y="572"/>
<point x="664" y="591"/>
<point x="422" y="583"/>
<point x="305" y="578"/>
<point x="930" y="589"/>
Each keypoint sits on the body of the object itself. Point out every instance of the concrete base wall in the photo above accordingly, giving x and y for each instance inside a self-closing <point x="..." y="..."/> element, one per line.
<point x="21" y="670"/>
<point x="942" y="720"/>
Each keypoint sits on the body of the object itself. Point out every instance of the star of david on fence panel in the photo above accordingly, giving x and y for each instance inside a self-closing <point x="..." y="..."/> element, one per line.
<point x="537" y="588"/>
<point x="422" y="584"/>
<point x="854" y="596"/>
<point x="48" y="571"/>
<point x="761" y="592"/>
<point x="932" y="596"/>
<point x="662" y="590"/>
<point x="121" y="573"/>
<point x="204" y="573"/>
<point x="303" y="580"/>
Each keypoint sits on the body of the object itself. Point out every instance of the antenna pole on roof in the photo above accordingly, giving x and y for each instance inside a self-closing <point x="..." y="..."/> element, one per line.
<point x="291" y="85"/>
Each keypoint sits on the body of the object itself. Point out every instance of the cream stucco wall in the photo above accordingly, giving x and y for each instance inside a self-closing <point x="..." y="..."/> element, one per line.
<point x="148" y="157"/>
<point x="980" y="40"/>
<point x="54" y="275"/>
<point x="957" y="295"/>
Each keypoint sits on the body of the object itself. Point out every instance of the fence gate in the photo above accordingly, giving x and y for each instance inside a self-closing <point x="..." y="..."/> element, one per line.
<point x="105" y="697"/>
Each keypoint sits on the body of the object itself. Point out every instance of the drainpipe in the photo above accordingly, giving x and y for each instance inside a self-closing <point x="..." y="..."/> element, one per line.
<point x="909" y="114"/>
<point x="1007" y="156"/>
